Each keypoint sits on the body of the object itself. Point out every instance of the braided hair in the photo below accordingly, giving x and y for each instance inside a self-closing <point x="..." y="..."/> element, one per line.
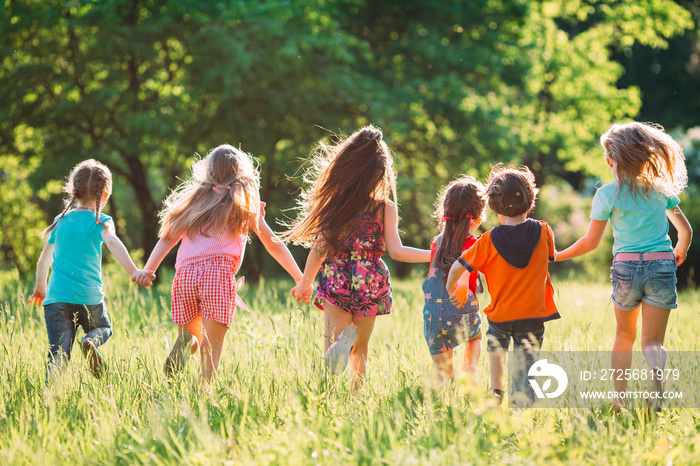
<point x="462" y="202"/>
<point x="88" y="180"/>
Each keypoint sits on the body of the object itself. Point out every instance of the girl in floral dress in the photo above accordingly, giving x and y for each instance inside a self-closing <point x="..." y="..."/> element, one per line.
<point x="349" y="222"/>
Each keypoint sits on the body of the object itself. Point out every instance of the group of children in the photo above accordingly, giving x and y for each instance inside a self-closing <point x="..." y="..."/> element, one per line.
<point x="348" y="217"/>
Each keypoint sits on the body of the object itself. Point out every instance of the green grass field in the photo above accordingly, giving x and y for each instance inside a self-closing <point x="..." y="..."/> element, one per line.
<point x="274" y="403"/>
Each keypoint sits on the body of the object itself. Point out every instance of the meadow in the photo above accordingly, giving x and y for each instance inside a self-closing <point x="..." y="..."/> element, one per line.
<point x="275" y="403"/>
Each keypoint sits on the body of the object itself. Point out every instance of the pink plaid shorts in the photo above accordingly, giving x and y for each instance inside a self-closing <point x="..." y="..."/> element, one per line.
<point x="207" y="288"/>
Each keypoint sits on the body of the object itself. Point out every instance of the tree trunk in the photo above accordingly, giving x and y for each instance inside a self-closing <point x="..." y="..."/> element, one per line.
<point x="139" y="183"/>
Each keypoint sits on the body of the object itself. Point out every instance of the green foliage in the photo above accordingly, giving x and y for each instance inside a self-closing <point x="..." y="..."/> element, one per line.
<point x="275" y="403"/>
<point x="456" y="86"/>
<point x="668" y="77"/>
<point x="689" y="273"/>
<point x="570" y="212"/>
<point x="22" y="219"/>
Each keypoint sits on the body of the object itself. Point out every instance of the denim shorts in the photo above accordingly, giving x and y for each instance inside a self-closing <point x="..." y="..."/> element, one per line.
<point x="527" y="340"/>
<point x="523" y="334"/>
<point x="652" y="282"/>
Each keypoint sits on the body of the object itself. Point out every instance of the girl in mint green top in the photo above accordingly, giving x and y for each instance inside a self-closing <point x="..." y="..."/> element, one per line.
<point x="649" y="171"/>
<point x="74" y="295"/>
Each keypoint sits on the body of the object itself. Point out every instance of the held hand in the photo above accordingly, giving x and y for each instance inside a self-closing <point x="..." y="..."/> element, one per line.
<point x="143" y="277"/>
<point x="37" y="297"/>
<point x="303" y="292"/>
<point x="308" y="294"/>
<point x="460" y="294"/>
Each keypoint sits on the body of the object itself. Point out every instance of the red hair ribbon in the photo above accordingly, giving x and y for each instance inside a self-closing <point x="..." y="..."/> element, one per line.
<point x="444" y="219"/>
<point x="104" y="225"/>
<point x="219" y="187"/>
<point x="469" y="217"/>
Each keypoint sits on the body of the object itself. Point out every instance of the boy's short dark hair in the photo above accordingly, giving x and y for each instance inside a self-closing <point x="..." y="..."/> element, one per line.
<point x="511" y="191"/>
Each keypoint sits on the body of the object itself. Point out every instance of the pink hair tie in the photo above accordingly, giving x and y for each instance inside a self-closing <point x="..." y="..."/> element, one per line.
<point x="469" y="217"/>
<point x="219" y="187"/>
<point x="444" y="219"/>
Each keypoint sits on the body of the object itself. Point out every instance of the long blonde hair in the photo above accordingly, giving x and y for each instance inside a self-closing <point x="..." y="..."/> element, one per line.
<point x="88" y="180"/>
<point x="342" y="180"/>
<point x="646" y="158"/>
<point x="222" y="195"/>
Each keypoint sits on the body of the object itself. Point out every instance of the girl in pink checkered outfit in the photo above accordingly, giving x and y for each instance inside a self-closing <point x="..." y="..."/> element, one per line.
<point x="211" y="214"/>
<point x="350" y="222"/>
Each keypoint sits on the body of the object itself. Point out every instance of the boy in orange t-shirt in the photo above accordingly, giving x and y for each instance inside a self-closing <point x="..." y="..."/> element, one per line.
<point x="514" y="259"/>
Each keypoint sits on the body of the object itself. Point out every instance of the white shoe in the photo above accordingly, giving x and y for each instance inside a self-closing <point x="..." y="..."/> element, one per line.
<point x="338" y="353"/>
<point x="178" y="354"/>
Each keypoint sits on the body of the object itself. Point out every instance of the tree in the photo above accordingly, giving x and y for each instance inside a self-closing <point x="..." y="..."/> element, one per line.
<point x="462" y="85"/>
<point x="668" y="77"/>
<point x="144" y="84"/>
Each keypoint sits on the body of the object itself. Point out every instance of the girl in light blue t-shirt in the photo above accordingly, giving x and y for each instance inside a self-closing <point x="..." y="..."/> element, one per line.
<point x="73" y="248"/>
<point x="649" y="171"/>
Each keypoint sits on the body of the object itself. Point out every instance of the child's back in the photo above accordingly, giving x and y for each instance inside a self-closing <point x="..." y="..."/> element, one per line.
<point x="77" y="259"/>
<point x="514" y="259"/>
<point x="357" y="265"/>
<point x="638" y="220"/>
<point x="460" y="210"/>
<point x="649" y="171"/>
<point x="74" y="295"/>
<point x="348" y="219"/>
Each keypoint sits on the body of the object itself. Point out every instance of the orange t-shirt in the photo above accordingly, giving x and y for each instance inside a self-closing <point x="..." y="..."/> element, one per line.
<point x="517" y="294"/>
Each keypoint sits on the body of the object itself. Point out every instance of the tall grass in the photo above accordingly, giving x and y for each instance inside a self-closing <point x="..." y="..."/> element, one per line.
<point x="274" y="402"/>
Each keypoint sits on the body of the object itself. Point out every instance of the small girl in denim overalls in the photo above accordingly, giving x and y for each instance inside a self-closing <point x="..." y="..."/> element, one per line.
<point x="460" y="211"/>
<point x="649" y="171"/>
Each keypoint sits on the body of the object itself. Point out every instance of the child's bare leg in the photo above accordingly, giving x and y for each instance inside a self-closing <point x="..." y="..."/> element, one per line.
<point x="334" y="322"/>
<point x="189" y="337"/>
<point x="358" y="354"/>
<point x="212" y="344"/>
<point x="195" y="329"/>
<point x="472" y="353"/>
<point x="625" y="335"/>
<point x="497" y="361"/>
<point x="654" y="321"/>
<point x="443" y="365"/>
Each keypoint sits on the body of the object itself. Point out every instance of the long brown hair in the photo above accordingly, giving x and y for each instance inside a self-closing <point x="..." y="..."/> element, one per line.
<point x="646" y="158"/>
<point x="461" y="202"/>
<point x="88" y="180"/>
<point x="223" y="194"/>
<point x="352" y="176"/>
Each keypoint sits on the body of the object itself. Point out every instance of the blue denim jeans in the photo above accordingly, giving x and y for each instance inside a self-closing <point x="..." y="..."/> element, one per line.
<point x="527" y="340"/>
<point x="653" y="282"/>
<point x="62" y="321"/>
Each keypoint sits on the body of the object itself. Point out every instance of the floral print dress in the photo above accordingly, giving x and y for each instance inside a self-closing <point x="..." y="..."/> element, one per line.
<point x="354" y="277"/>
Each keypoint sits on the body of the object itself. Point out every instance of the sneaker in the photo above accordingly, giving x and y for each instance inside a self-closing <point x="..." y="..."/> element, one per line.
<point x="338" y="353"/>
<point x="95" y="359"/>
<point x="177" y="358"/>
<point x="497" y="395"/>
<point x="655" y="385"/>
